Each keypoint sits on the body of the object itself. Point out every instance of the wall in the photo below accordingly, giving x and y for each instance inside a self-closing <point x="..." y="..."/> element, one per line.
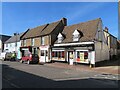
<point x="55" y="33"/>
<point x="113" y="46"/>
<point x="28" y="42"/>
<point x="101" y="51"/>
<point x="11" y="48"/>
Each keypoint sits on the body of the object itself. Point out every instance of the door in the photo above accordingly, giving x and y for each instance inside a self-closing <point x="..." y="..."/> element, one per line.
<point x="70" y="57"/>
<point x="44" y="56"/>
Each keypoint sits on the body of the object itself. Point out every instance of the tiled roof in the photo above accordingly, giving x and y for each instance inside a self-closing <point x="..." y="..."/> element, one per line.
<point x="40" y="30"/>
<point x="49" y="28"/>
<point x="88" y="30"/>
<point x="15" y="38"/>
<point x="34" y="32"/>
<point x="4" y="37"/>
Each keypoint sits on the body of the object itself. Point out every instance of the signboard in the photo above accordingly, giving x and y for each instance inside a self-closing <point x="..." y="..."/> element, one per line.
<point x="81" y="56"/>
<point x="45" y="47"/>
<point x="24" y="48"/>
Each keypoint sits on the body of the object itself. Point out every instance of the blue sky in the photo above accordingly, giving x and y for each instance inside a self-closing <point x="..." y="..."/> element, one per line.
<point x="19" y="16"/>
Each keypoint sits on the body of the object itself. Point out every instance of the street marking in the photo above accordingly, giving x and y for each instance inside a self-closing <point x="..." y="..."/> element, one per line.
<point x="61" y="79"/>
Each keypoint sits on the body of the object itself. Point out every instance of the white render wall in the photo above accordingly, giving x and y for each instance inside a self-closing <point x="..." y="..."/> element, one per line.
<point x="101" y="51"/>
<point x="11" y="48"/>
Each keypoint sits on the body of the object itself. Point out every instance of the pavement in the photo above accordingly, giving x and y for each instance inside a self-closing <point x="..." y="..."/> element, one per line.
<point x="109" y="68"/>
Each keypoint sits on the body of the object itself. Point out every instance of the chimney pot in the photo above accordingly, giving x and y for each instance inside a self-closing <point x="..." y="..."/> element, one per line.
<point x="64" y="20"/>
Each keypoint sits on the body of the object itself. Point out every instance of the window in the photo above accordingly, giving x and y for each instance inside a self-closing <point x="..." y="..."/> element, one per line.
<point x="59" y="54"/>
<point x="76" y="38"/>
<point x="60" y="38"/>
<point x="76" y="35"/>
<point x="42" y="40"/>
<point x="24" y="42"/>
<point x="32" y="42"/>
<point x="82" y="56"/>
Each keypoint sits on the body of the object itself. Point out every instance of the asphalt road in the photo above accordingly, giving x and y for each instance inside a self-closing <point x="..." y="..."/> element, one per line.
<point x="18" y="75"/>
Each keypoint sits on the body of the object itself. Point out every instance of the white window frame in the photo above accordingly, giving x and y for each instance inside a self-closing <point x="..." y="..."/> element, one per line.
<point x="60" y="39"/>
<point x="42" y="40"/>
<point x="32" y="42"/>
<point x="76" y="37"/>
<point x="24" y="42"/>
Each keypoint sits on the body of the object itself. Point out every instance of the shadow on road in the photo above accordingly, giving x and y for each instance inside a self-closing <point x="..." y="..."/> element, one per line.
<point x="13" y="78"/>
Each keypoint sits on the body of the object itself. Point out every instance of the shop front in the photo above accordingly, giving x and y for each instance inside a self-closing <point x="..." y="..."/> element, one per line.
<point x="44" y="53"/>
<point x="75" y="54"/>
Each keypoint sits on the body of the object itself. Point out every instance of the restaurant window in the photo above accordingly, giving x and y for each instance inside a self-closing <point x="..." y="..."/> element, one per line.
<point x="81" y="55"/>
<point x="59" y="54"/>
<point x="85" y="55"/>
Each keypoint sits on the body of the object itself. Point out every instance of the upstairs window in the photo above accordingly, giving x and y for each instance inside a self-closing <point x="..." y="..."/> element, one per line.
<point x="76" y="35"/>
<point x="42" y="40"/>
<point x="32" y="42"/>
<point x="24" y="42"/>
<point x="60" y="38"/>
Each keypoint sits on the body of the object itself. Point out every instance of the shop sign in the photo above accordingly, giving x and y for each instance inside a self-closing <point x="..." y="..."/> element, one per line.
<point x="45" y="47"/>
<point x="24" y="48"/>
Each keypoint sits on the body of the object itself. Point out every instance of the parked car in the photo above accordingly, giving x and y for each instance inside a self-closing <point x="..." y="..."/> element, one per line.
<point x="32" y="58"/>
<point x="8" y="56"/>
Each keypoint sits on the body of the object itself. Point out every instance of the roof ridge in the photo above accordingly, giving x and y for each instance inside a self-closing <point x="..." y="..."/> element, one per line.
<point x="84" y="22"/>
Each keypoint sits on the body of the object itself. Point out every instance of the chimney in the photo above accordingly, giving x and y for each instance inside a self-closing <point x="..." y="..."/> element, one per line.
<point x="64" y="21"/>
<point x="106" y="29"/>
<point x="15" y="34"/>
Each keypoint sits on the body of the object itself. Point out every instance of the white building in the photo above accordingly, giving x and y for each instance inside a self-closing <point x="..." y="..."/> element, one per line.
<point x="13" y="45"/>
<point x="3" y="38"/>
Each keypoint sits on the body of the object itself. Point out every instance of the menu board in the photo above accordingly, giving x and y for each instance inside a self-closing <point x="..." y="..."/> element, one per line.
<point x="82" y="56"/>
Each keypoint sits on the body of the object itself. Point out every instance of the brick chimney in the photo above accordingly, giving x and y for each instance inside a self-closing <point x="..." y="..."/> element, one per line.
<point x="15" y="34"/>
<point x="106" y="29"/>
<point x="64" y="20"/>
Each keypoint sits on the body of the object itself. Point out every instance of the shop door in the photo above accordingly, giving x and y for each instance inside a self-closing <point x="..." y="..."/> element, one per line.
<point x="44" y="56"/>
<point x="70" y="57"/>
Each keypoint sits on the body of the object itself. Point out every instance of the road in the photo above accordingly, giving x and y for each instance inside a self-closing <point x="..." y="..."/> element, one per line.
<point x="18" y="75"/>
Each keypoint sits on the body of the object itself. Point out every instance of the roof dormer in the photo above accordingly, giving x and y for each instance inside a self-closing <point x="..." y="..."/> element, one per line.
<point x="60" y="38"/>
<point x="76" y="35"/>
